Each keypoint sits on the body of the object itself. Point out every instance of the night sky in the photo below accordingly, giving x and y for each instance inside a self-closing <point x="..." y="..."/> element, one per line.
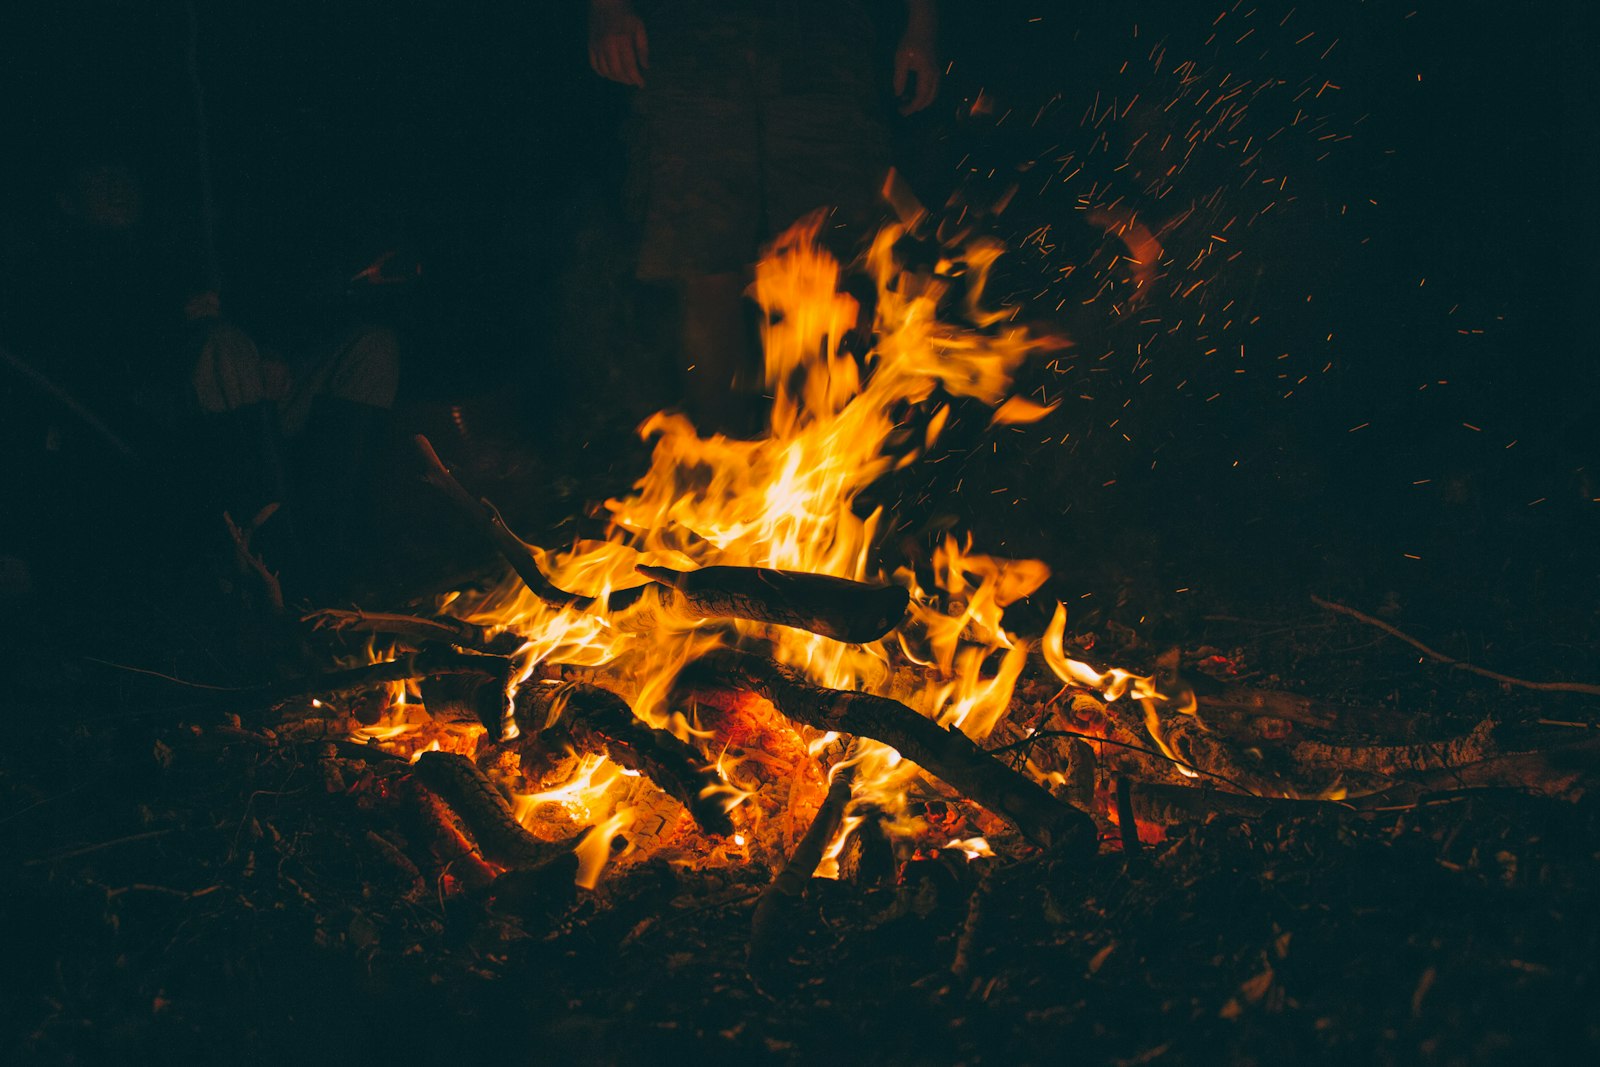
<point x="1404" y="262"/>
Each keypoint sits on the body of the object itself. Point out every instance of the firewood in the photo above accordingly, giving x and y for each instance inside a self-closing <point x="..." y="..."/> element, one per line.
<point x="1169" y="805"/>
<point x="399" y="863"/>
<point x="416" y="630"/>
<point x="1311" y="767"/>
<point x="598" y="719"/>
<point x="1126" y="820"/>
<point x="1563" y="773"/>
<point x="1273" y="715"/>
<point x="833" y="607"/>
<point x="868" y="857"/>
<point x="487" y="813"/>
<point x="439" y="829"/>
<point x="486" y="518"/>
<point x="426" y="663"/>
<point x="1472" y="747"/>
<point x="972" y="925"/>
<point x="770" y="922"/>
<point x="466" y="698"/>
<point x="944" y="753"/>
<point x="1268" y="769"/>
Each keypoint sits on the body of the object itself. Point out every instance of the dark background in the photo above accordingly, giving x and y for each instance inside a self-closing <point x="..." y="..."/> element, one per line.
<point x="1419" y="285"/>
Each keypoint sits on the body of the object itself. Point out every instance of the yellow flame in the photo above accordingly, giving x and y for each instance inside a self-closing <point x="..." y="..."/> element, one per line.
<point x="1112" y="684"/>
<point x="787" y="499"/>
<point x="972" y="847"/>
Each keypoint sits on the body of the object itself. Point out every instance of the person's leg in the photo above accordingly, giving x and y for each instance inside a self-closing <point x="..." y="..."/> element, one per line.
<point x="351" y="390"/>
<point x="700" y="187"/>
<point x="719" y="363"/>
<point x="240" y="460"/>
<point x="824" y="142"/>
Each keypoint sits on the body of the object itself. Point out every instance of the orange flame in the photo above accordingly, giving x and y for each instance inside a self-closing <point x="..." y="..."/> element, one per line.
<point x="786" y="500"/>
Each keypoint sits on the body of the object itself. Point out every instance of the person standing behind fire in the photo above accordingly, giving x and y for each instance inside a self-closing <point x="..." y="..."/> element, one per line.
<point x="750" y="115"/>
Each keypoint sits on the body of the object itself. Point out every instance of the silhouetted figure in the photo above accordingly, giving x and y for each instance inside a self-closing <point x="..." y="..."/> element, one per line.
<point x="301" y="425"/>
<point x="750" y="115"/>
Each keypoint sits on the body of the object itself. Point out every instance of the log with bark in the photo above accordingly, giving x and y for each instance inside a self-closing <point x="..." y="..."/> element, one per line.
<point x="597" y="719"/>
<point x="1271" y="714"/>
<point x="1309" y="767"/>
<point x="416" y="630"/>
<point x="1565" y="773"/>
<point x="839" y="608"/>
<point x="834" y="607"/>
<point x="774" y="911"/>
<point x="944" y="753"/>
<point x="487" y="813"/>
<point x="427" y="663"/>
<point x="486" y="518"/>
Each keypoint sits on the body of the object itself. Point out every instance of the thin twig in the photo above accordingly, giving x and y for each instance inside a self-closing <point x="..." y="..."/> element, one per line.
<point x="1460" y="665"/>
<point x="85" y="850"/>
<point x="41" y="803"/>
<point x="165" y="890"/>
<point x="157" y="674"/>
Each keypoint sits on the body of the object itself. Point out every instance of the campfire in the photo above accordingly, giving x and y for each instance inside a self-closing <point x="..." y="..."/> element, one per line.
<point x="741" y="672"/>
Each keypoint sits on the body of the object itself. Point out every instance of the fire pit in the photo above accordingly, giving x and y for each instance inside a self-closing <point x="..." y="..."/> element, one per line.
<point x="740" y="767"/>
<point x="733" y="679"/>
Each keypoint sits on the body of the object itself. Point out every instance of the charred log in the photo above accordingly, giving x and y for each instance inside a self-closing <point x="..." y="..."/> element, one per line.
<point x="1243" y="706"/>
<point x="416" y="630"/>
<point x="465" y="698"/>
<point x="439" y="828"/>
<point x="1472" y="747"/>
<point x="769" y="924"/>
<point x="486" y="813"/>
<point x="598" y="719"/>
<point x="1312" y="767"/>
<point x="844" y="610"/>
<point x="1564" y="773"/>
<point x="945" y="753"/>
<point x="1169" y="805"/>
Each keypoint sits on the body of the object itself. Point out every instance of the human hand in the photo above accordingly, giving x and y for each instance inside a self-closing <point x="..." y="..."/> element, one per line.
<point x="916" y="74"/>
<point x="618" y="48"/>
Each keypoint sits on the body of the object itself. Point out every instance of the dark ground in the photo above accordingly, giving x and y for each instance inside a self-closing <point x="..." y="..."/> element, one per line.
<point x="180" y="894"/>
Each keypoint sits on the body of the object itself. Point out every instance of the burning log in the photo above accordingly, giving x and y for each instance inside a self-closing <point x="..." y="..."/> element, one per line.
<point x="487" y="813"/>
<point x="844" y="610"/>
<point x="947" y="754"/>
<point x="449" y="846"/>
<point x="777" y="903"/>
<point x="599" y="720"/>
<point x="834" y="607"/>
<point x="465" y="698"/>
<point x="488" y="521"/>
